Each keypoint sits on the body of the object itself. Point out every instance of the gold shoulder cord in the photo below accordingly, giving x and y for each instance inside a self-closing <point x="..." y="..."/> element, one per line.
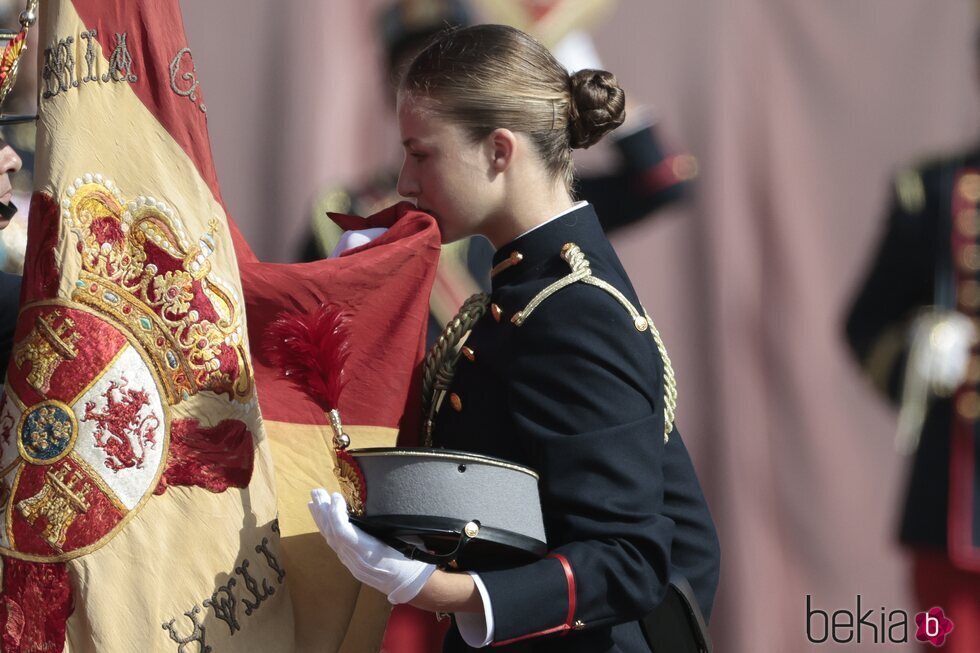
<point x="573" y="255"/>
<point x="440" y="363"/>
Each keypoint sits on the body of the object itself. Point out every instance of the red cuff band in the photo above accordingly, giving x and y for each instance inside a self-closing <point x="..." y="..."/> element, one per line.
<point x="570" y="579"/>
<point x="569" y="620"/>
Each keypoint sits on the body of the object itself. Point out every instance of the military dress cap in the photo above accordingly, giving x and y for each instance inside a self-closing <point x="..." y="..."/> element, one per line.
<point x="471" y="511"/>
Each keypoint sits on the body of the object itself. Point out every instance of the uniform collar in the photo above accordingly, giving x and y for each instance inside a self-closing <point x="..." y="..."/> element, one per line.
<point x="528" y="255"/>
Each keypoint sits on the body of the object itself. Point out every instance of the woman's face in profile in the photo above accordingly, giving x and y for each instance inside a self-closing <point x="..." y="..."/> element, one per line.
<point x="444" y="171"/>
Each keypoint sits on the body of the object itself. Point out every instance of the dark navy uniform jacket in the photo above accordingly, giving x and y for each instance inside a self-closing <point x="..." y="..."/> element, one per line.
<point x="9" y="301"/>
<point x="577" y="393"/>
<point x="915" y="267"/>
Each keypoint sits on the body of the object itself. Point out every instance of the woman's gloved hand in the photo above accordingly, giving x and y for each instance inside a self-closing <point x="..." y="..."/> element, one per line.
<point x="369" y="560"/>
<point x="351" y="239"/>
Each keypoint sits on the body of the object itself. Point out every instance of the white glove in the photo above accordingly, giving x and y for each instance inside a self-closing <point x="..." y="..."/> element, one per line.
<point x="355" y="238"/>
<point x="943" y="353"/>
<point x="369" y="560"/>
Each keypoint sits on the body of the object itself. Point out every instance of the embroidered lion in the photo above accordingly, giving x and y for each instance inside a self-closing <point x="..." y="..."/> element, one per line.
<point x="120" y="431"/>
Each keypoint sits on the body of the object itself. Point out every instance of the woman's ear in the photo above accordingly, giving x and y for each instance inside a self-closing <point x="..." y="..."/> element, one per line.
<point x="502" y="144"/>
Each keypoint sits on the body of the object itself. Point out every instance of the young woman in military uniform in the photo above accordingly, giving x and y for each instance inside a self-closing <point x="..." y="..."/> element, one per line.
<point x="562" y="370"/>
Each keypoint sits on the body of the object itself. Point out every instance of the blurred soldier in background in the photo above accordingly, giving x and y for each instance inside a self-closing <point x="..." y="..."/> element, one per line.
<point x="913" y="327"/>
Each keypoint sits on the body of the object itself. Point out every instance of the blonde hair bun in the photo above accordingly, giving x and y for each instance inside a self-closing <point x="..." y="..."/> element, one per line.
<point x="598" y="106"/>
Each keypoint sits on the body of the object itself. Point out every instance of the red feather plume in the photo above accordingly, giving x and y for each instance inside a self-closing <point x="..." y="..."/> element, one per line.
<point x="310" y="349"/>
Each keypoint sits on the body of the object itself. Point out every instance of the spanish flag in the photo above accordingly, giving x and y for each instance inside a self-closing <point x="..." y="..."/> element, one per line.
<point x="383" y="287"/>
<point x="139" y="499"/>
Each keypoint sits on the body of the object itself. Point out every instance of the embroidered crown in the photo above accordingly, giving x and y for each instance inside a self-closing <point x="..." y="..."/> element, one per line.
<point x="139" y="267"/>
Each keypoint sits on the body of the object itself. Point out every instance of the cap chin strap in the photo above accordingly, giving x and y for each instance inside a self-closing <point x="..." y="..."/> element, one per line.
<point x="414" y="550"/>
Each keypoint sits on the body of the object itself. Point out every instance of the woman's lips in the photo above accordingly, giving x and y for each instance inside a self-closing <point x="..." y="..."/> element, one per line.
<point x="426" y="209"/>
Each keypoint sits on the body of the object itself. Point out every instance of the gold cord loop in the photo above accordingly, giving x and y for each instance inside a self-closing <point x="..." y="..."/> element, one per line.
<point x="440" y="363"/>
<point x="581" y="271"/>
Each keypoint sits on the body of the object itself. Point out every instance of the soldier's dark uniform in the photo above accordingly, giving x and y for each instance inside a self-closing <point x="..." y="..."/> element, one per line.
<point x="573" y="388"/>
<point x="929" y="256"/>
